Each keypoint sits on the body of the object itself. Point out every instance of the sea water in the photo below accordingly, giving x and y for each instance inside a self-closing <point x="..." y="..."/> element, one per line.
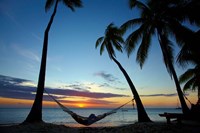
<point x="57" y="116"/>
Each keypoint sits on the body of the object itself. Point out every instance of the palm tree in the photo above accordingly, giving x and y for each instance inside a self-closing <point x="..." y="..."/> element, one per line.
<point x="189" y="54"/>
<point x="113" y="39"/>
<point x="35" y="114"/>
<point x="155" y="20"/>
<point x="191" y="79"/>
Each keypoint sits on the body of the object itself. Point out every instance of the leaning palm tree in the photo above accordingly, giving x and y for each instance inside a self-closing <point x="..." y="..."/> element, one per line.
<point x="35" y="114"/>
<point x="113" y="39"/>
<point x="155" y="20"/>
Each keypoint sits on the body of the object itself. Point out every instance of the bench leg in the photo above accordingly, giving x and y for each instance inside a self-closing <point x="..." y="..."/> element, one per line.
<point x="168" y="120"/>
<point x="179" y="120"/>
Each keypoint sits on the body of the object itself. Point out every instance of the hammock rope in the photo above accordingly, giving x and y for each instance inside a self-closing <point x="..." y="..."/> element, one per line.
<point x="86" y="120"/>
<point x="187" y="99"/>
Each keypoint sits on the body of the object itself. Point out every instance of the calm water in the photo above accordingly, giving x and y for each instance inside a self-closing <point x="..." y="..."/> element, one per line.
<point x="56" y="115"/>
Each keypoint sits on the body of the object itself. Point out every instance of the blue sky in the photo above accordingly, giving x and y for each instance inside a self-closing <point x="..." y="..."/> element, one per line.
<point x="72" y="57"/>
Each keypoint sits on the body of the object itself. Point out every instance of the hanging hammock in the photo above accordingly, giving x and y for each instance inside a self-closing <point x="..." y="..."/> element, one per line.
<point x="86" y="120"/>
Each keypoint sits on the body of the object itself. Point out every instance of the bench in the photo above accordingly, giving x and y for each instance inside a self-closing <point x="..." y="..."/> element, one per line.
<point x="169" y="116"/>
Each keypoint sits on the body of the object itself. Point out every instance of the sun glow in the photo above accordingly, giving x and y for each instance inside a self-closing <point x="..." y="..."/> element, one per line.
<point x="81" y="105"/>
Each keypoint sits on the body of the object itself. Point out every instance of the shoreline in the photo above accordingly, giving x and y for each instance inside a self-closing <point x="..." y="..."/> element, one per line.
<point x="147" y="127"/>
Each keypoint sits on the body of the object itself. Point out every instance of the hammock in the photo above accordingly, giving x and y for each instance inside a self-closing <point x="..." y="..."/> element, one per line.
<point x="86" y="120"/>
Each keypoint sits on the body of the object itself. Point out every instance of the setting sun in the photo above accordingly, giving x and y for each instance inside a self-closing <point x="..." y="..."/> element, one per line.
<point x="81" y="105"/>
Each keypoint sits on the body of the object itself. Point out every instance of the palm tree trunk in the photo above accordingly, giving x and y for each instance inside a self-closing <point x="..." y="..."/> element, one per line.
<point x="184" y="106"/>
<point x="164" y="50"/>
<point x="198" y="95"/>
<point x="35" y="114"/>
<point x="142" y="115"/>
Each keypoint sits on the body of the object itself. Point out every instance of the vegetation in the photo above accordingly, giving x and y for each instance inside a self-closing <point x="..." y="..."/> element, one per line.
<point x="163" y="19"/>
<point x="35" y="114"/>
<point x="113" y="40"/>
<point x="189" y="54"/>
<point x="158" y="18"/>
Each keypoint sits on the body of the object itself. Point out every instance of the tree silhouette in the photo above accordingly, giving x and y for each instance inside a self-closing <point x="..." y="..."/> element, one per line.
<point x="113" y="40"/>
<point x="156" y="19"/>
<point x="35" y="114"/>
<point x="189" y="54"/>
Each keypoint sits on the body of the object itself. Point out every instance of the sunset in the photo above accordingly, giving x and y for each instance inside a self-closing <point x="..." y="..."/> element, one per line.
<point x="92" y="98"/>
<point x="93" y="62"/>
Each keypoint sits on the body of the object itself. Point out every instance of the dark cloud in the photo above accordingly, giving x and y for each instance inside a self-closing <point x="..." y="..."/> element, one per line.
<point x="104" y="85"/>
<point x="107" y="77"/>
<point x="118" y="88"/>
<point x="107" y="85"/>
<point x="80" y="87"/>
<point x="157" y="95"/>
<point x="11" y="88"/>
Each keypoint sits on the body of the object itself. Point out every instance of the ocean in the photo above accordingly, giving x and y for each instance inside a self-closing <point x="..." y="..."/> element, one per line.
<point x="57" y="116"/>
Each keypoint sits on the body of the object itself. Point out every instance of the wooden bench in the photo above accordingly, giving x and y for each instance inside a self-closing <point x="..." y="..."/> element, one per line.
<point x="169" y="116"/>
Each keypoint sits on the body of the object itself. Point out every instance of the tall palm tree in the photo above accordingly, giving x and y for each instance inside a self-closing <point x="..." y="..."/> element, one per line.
<point x="155" y="20"/>
<point x="113" y="40"/>
<point x="35" y="114"/>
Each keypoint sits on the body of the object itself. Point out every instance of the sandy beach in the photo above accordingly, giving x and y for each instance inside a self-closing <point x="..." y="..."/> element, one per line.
<point x="154" y="127"/>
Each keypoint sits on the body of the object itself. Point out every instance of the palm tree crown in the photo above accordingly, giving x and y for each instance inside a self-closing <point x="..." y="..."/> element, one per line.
<point x="72" y="4"/>
<point x="112" y="39"/>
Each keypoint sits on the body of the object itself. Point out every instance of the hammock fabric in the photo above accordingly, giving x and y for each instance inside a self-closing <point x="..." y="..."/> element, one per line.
<point x="86" y="120"/>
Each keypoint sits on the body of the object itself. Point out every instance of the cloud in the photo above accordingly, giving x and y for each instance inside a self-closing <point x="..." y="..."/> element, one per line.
<point x="22" y="89"/>
<point x="36" y="37"/>
<point x="104" y="85"/>
<point x="109" y="86"/>
<point x="157" y="95"/>
<point x="107" y="77"/>
<point x="80" y="87"/>
<point x="26" y="53"/>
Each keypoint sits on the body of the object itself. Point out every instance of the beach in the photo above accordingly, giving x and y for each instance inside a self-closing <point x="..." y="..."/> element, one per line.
<point x="56" y="121"/>
<point x="150" y="127"/>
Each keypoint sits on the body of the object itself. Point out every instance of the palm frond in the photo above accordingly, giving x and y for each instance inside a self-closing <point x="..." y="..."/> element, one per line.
<point x="49" y="4"/>
<point x="131" y="23"/>
<point x="111" y="40"/>
<point x="185" y="57"/>
<point x="72" y="4"/>
<point x="188" y="85"/>
<point x="117" y="45"/>
<point x="167" y="50"/>
<point x="102" y="47"/>
<point x="110" y="50"/>
<point x="191" y="10"/>
<point x="119" y="39"/>
<point x="132" y="3"/>
<point x="131" y="41"/>
<point x="136" y="3"/>
<point x="195" y="84"/>
<point x="186" y="76"/>
<point x="188" y="11"/>
<point x="99" y="40"/>
<point x="182" y="33"/>
<point x="189" y="53"/>
<point x="143" y="49"/>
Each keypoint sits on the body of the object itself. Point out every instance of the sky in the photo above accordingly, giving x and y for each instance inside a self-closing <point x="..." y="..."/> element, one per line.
<point x="76" y="74"/>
